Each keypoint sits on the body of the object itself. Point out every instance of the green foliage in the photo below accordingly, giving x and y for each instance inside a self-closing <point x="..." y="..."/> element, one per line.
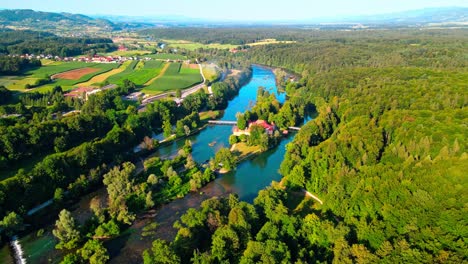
<point x="11" y="223"/>
<point x="66" y="231"/>
<point x="5" y="95"/>
<point x="160" y="253"/>
<point x="119" y="186"/>
<point x="94" y="252"/>
<point x="108" y="229"/>
<point x="224" y="159"/>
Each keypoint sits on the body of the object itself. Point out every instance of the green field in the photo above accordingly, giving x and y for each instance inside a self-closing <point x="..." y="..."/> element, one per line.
<point x="129" y="53"/>
<point x="140" y="76"/>
<point x="117" y="78"/>
<point x="175" y="77"/>
<point x="30" y="76"/>
<point x="57" y="67"/>
<point x="183" y="44"/>
<point x="166" y="56"/>
<point x="211" y="72"/>
<point x="102" y="68"/>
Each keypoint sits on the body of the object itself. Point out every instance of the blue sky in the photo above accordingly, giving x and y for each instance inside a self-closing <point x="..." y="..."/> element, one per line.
<point x="231" y="10"/>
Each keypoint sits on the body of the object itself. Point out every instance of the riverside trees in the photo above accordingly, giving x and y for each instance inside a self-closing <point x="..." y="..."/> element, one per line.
<point x="386" y="154"/>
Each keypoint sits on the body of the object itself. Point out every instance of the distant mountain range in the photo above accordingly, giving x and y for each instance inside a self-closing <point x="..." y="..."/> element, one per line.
<point x="66" y="22"/>
<point x="420" y="16"/>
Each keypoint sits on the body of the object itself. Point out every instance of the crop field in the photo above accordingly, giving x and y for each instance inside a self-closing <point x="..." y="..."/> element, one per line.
<point x="104" y="76"/>
<point x="166" y="56"/>
<point x="129" y="53"/>
<point x="74" y="74"/>
<point x="175" y="77"/>
<point x="142" y="75"/>
<point x="117" y="78"/>
<point x="30" y="77"/>
<point x="98" y="67"/>
<point x="57" y="67"/>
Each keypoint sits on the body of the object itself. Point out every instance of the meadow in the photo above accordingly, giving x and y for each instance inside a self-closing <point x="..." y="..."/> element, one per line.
<point x="188" y="45"/>
<point x="144" y="71"/>
<point x="177" y="76"/>
<point x="31" y="76"/>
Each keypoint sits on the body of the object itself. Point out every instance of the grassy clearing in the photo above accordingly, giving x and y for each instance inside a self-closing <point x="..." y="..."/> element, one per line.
<point x="188" y="45"/>
<point x="175" y="77"/>
<point x="268" y="42"/>
<point x="16" y="82"/>
<point x="211" y="72"/>
<point x="242" y="150"/>
<point x="209" y="115"/>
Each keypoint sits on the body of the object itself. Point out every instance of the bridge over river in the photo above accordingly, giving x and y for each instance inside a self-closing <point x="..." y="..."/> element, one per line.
<point x="233" y="123"/>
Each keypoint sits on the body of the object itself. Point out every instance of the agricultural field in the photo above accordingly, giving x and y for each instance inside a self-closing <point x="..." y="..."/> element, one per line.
<point x="129" y="53"/>
<point x="166" y="56"/>
<point x="81" y="75"/>
<point x="117" y="78"/>
<point x="98" y="79"/>
<point x="177" y="76"/>
<point x="188" y="45"/>
<point x="78" y="72"/>
<point x="143" y="72"/>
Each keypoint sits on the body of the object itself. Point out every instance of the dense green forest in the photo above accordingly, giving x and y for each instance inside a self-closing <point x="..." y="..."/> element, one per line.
<point x="386" y="156"/>
<point x="235" y="36"/>
<point x="18" y="42"/>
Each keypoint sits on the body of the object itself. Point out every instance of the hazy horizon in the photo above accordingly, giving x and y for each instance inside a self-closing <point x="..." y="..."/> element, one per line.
<point x="241" y="10"/>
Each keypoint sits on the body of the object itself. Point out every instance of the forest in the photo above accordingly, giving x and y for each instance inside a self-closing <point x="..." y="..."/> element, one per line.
<point x="386" y="155"/>
<point x="20" y="42"/>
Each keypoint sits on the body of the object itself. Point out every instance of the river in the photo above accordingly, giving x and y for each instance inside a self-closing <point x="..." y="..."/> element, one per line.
<point x="250" y="176"/>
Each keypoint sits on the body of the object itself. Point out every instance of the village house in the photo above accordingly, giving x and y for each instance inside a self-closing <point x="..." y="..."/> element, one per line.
<point x="269" y="128"/>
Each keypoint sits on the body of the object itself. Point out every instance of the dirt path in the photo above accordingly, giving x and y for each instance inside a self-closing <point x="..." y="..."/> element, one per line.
<point x="313" y="196"/>
<point x="103" y="76"/>
<point x="163" y="70"/>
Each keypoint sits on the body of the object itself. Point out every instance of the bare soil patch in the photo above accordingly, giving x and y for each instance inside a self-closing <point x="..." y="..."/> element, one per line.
<point x="74" y="74"/>
<point x="193" y="66"/>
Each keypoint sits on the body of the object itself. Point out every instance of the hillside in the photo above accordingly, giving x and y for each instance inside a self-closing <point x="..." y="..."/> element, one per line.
<point x="56" y="22"/>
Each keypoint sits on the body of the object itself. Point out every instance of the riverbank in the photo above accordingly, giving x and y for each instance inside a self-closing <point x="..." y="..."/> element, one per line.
<point x="251" y="175"/>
